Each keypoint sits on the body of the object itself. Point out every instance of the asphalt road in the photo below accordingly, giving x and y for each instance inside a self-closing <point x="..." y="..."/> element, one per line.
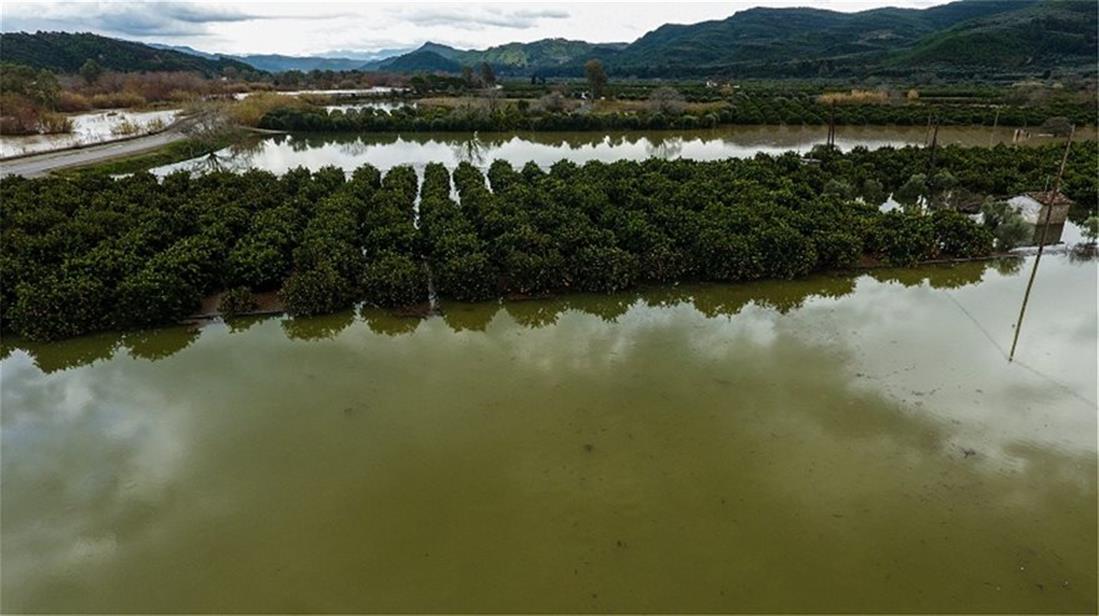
<point x="42" y="164"/>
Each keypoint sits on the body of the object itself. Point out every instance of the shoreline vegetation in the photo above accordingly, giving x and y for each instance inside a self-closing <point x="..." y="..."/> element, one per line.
<point x="93" y="253"/>
<point x="781" y="296"/>
<point x="671" y="110"/>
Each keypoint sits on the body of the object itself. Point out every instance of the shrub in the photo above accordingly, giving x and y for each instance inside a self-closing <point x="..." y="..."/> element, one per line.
<point x="394" y="280"/>
<point x="155" y="296"/>
<point x="238" y="300"/>
<point x="59" y="306"/>
<point x="72" y="101"/>
<point x="958" y="236"/>
<point x="320" y="290"/>
<point x="904" y="239"/>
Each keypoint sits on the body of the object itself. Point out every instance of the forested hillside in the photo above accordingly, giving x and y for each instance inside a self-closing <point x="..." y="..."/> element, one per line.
<point x="1001" y="38"/>
<point x="1001" y="35"/>
<point x="1043" y="34"/>
<point x="65" y="52"/>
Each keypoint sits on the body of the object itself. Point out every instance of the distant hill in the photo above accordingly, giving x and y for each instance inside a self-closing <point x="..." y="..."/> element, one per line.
<point x="1042" y="34"/>
<point x="185" y="49"/>
<point x="278" y="63"/>
<point x="419" y="61"/>
<point x="66" y="52"/>
<point x="807" y="42"/>
<point x="513" y="57"/>
<point x="798" y="41"/>
<point x="992" y="37"/>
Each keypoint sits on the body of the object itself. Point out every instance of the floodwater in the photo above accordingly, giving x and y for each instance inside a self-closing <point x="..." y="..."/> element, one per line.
<point x="371" y="91"/>
<point x="385" y="150"/>
<point x="386" y="106"/>
<point x="834" y="444"/>
<point x="89" y="128"/>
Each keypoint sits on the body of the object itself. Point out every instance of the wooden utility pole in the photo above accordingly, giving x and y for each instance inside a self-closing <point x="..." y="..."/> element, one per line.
<point x="934" y="147"/>
<point x="995" y="124"/>
<point x="832" y="126"/>
<point x="1042" y="239"/>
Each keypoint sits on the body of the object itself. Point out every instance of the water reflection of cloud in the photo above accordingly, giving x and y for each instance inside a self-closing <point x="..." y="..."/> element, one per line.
<point x="386" y="150"/>
<point x="808" y="395"/>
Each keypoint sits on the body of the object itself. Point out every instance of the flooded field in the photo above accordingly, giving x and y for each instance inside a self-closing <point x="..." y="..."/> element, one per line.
<point x="386" y="106"/>
<point x="834" y="444"/>
<point x="372" y="91"/>
<point x="89" y="128"/>
<point x="385" y="150"/>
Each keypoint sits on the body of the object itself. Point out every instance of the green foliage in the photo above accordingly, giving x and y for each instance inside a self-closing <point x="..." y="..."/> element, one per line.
<point x="393" y="279"/>
<point x="1091" y="228"/>
<point x="91" y="71"/>
<point x="959" y="237"/>
<point x="1006" y="224"/>
<point x="236" y="301"/>
<point x="60" y="305"/>
<point x="38" y="86"/>
<point x="903" y="239"/>
<point x="318" y="290"/>
<point x="667" y="109"/>
<point x="94" y="252"/>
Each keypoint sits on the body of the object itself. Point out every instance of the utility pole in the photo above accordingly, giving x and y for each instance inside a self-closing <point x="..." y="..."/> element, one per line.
<point x="934" y="147"/>
<point x="995" y="124"/>
<point x="832" y="126"/>
<point x="1042" y="239"/>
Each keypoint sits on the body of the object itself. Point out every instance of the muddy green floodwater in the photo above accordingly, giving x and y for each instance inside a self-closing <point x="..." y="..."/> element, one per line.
<point x="385" y="150"/>
<point x="851" y="444"/>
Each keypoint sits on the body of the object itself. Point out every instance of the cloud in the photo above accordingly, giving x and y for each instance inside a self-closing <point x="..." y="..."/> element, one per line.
<point x="471" y="18"/>
<point x="123" y="18"/>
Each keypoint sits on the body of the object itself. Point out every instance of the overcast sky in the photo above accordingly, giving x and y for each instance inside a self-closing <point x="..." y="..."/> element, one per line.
<point x="321" y="27"/>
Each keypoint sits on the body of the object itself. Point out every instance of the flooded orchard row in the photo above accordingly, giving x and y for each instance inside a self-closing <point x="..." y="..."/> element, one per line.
<point x="385" y="150"/>
<point x="849" y="444"/>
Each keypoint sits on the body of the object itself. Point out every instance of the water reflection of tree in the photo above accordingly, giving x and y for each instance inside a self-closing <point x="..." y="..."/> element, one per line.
<point x="948" y="276"/>
<point x="712" y="300"/>
<point x="242" y="324"/>
<point x="1008" y="266"/>
<point x="536" y="313"/>
<point x="64" y="354"/>
<point x="157" y="344"/>
<point x="386" y="323"/>
<point x="471" y="150"/>
<point x="664" y="147"/>
<point x="319" y="327"/>
<point x="468" y="317"/>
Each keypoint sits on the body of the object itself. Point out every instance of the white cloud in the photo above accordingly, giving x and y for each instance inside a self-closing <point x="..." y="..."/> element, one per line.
<point x="312" y="28"/>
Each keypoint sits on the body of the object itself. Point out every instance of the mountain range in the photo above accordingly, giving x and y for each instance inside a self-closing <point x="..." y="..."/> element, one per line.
<point x="277" y="63"/>
<point x="968" y="35"/>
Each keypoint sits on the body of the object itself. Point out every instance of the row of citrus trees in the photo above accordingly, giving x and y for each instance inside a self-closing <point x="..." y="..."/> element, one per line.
<point x="748" y="111"/>
<point x="97" y="253"/>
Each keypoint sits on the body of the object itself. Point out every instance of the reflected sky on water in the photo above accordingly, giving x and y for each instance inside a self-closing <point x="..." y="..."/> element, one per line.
<point x="385" y="150"/>
<point x="845" y="444"/>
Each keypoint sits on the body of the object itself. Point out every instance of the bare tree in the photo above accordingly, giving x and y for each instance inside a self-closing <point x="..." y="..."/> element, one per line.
<point x="207" y="126"/>
<point x="554" y="101"/>
<point x="492" y="98"/>
<point x="597" y="78"/>
<point x="488" y="77"/>
<point x="667" y="101"/>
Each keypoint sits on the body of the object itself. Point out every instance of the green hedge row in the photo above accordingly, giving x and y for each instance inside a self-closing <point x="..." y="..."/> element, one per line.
<point x="742" y="111"/>
<point x="92" y="253"/>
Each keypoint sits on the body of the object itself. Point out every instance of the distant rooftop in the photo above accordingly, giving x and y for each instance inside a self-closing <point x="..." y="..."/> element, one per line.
<point x="1050" y="197"/>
